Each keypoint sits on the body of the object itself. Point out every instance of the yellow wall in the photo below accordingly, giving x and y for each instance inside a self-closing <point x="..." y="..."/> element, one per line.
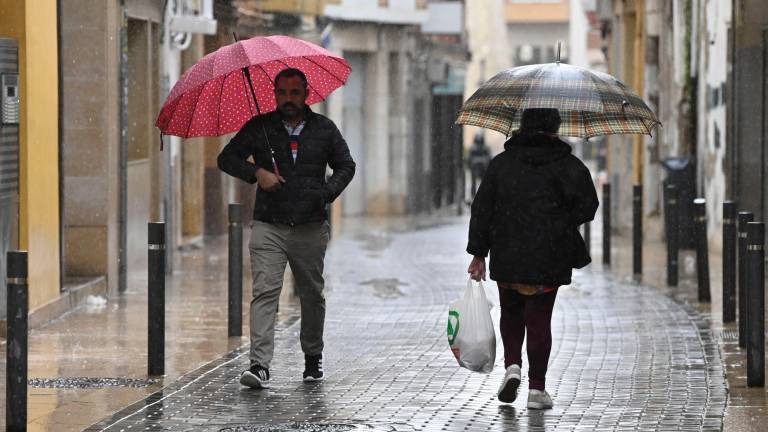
<point x="310" y="7"/>
<point x="33" y="24"/>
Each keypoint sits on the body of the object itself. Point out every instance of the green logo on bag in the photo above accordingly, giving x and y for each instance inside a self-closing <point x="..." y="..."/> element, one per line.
<point x="453" y="326"/>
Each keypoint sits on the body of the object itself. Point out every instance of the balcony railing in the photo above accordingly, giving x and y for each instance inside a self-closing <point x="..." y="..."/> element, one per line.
<point x="305" y="7"/>
<point x="380" y="11"/>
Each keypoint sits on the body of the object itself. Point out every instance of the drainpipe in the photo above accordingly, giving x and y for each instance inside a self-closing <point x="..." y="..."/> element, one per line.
<point x="122" y="213"/>
<point x="639" y="61"/>
<point x="170" y="75"/>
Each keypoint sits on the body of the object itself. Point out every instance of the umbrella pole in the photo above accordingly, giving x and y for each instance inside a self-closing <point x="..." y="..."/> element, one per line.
<point x="258" y="111"/>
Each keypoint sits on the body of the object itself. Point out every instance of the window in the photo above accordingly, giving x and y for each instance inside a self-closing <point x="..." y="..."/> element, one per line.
<point x="527" y="54"/>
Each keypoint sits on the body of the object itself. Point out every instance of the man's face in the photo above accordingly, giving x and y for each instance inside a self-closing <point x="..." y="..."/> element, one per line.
<point x="291" y="96"/>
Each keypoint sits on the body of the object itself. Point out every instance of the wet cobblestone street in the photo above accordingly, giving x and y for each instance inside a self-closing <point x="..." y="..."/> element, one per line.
<point x="624" y="356"/>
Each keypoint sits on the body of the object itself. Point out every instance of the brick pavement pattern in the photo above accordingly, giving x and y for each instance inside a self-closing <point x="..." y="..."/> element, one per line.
<point x="624" y="357"/>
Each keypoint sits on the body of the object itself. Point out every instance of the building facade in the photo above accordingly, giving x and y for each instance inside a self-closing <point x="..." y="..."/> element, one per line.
<point x="92" y="76"/>
<point x="491" y="53"/>
<point x="704" y="72"/>
<point x="96" y="176"/>
<point x="29" y="144"/>
<point x="386" y="108"/>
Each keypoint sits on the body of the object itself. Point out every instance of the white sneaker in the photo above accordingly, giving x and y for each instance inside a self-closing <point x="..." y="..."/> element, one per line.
<point x="538" y="399"/>
<point x="256" y="377"/>
<point x="508" y="388"/>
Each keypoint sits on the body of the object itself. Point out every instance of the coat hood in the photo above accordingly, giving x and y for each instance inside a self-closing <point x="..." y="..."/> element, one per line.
<point x="537" y="149"/>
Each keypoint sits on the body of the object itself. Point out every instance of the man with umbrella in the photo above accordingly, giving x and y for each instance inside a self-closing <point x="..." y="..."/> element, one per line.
<point x="291" y="148"/>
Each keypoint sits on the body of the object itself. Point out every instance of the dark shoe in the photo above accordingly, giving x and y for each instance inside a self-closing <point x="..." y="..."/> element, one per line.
<point x="256" y="377"/>
<point x="313" y="368"/>
<point x="508" y="388"/>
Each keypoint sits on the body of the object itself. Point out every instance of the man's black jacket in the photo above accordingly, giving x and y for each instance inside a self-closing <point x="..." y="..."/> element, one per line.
<point x="527" y="211"/>
<point x="304" y="196"/>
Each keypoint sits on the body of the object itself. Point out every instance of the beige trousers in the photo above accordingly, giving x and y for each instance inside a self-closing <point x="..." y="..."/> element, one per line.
<point x="272" y="246"/>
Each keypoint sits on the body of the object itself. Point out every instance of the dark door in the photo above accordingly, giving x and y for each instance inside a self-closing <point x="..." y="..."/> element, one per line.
<point x="447" y="171"/>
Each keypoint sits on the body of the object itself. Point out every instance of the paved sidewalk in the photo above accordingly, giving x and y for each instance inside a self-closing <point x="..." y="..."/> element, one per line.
<point x="625" y="356"/>
<point x="92" y="362"/>
<point x="747" y="408"/>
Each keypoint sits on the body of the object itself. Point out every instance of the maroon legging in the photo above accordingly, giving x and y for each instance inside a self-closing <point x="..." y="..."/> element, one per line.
<point x="533" y="313"/>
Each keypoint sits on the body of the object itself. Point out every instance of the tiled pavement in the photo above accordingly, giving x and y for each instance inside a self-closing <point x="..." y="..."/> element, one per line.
<point x="625" y="356"/>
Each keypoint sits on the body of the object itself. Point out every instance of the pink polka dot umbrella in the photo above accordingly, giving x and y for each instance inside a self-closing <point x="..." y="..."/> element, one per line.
<point x="216" y="96"/>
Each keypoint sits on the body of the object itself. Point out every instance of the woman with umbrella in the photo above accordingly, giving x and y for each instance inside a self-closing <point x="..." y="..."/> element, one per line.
<point x="526" y="213"/>
<point x="535" y="195"/>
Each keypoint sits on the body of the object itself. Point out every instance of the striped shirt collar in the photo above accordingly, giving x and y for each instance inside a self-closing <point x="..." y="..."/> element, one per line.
<point x="294" y="130"/>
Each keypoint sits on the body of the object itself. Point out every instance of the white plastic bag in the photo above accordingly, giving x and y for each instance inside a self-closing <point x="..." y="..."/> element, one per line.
<point x="470" y="330"/>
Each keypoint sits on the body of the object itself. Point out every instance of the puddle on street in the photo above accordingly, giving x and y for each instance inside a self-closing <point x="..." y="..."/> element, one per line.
<point x="89" y="383"/>
<point x="308" y="427"/>
<point x="386" y="288"/>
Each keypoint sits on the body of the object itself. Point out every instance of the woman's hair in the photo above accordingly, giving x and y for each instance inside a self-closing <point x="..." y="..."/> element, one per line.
<point x="540" y="120"/>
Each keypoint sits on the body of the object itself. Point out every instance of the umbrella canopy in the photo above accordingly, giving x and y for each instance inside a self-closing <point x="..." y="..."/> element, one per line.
<point x="216" y="96"/>
<point x="591" y="103"/>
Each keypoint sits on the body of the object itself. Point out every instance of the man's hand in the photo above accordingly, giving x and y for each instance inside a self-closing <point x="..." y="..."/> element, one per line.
<point x="476" y="268"/>
<point x="268" y="181"/>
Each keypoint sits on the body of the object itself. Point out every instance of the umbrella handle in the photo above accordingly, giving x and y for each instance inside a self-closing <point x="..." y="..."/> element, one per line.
<point x="271" y="150"/>
<point x="247" y="74"/>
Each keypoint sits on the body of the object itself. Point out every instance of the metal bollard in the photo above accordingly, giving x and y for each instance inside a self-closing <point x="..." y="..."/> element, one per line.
<point x="607" y="224"/>
<point x="702" y="248"/>
<point x="744" y="219"/>
<point x="156" y="299"/>
<point x="729" y="261"/>
<point x="756" y="304"/>
<point x="637" y="231"/>
<point x="673" y="244"/>
<point x="16" y="347"/>
<point x="235" y="291"/>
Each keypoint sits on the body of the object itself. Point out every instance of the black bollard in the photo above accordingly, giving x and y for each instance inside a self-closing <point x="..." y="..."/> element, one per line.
<point x="637" y="231"/>
<point x="588" y="236"/>
<point x="673" y="244"/>
<point x="729" y="261"/>
<point x="235" y="306"/>
<point x="16" y="347"/>
<point x="744" y="219"/>
<point x="607" y="224"/>
<point x="756" y="304"/>
<point x="156" y="299"/>
<point x="702" y="248"/>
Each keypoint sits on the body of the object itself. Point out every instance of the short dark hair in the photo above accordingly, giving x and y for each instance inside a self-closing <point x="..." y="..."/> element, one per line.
<point x="291" y="72"/>
<point x="540" y="120"/>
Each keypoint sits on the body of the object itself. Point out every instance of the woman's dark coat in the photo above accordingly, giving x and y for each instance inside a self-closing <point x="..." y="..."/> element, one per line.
<point x="528" y="209"/>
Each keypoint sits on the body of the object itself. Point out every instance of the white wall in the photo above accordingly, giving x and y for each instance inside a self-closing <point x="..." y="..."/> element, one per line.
<point x="489" y="45"/>
<point x="578" y="30"/>
<point x="396" y="12"/>
<point x="542" y="35"/>
<point x="714" y="18"/>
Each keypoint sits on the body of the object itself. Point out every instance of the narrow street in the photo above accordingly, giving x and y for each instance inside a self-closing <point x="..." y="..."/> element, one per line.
<point x="142" y="134"/>
<point x="625" y="356"/>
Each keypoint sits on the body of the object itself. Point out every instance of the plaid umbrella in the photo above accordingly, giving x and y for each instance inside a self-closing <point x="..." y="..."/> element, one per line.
<point x="591" y="103"/>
